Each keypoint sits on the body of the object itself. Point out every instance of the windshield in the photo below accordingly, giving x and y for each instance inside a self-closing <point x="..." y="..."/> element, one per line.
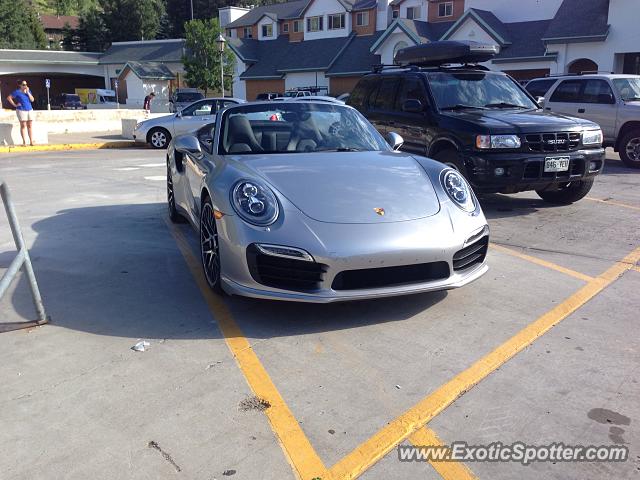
<point x="72" y="98"/>
<point x="106" y="98"/>
<point x="296" y="127"/>
<point x="479" y="90"/>
<point x="628" y="88"/>
<point x="188" y="97"/>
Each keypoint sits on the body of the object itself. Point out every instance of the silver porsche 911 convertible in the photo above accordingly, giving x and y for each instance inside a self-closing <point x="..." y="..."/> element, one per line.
<point x="306" y="201"/>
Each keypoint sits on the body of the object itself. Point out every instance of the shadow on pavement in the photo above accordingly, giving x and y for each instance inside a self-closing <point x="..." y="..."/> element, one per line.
<point x="116" y="270"/>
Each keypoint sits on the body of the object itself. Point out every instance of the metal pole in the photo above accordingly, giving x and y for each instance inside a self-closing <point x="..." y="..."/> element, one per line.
<point x="22" y="251"/>
<point x="222" y="71"/>
<point x="48" y="100"/>
<point x="191" y="9"/>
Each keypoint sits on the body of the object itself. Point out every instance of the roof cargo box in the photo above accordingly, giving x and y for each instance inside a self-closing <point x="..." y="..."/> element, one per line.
<point x="440" y="53"/>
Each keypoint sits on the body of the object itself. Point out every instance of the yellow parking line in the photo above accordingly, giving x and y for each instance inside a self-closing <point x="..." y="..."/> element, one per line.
<point x="298" y="450"/>
<point x="448" y="470"/>
<point x="636" y="268"/>
<point x="613" y="202"/>
<point x="543" y="263"/>
<point x="376" y="447"/>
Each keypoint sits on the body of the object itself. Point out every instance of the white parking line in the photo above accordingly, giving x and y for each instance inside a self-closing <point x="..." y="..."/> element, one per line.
<point x="156" y="178"/>
<point x="126" y="169"/>
<point x="161" y="164"/>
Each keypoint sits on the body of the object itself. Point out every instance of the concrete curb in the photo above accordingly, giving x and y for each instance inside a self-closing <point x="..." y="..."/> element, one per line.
<point x="71" y="146"/>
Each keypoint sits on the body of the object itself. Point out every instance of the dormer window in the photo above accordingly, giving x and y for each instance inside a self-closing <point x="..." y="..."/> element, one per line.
<point x="336" y="21"/>
<point x="267" y="30"/>
<point x="413" y="13"/>
<point x="314" y="24"/>
<point x="362" y="19"/>
<point x="445" y="9"/>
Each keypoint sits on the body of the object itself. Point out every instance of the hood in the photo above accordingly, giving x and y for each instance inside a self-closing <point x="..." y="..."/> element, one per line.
<point x="518" y="121"/>
<point x="152" y="122"/>
<point x="348" y="187"/>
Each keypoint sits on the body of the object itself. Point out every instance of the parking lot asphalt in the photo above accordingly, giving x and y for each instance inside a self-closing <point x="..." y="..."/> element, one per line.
<point x="543" y="349"/>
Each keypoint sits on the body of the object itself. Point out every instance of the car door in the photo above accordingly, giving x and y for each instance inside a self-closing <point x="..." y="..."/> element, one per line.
<point x="412" y="126"/>
<point x="599" y="105"/>
<point x="195" y="170"/>
<point x="381" y="106"/>
<point x="194" y="116"/>
<point x="566" y="98"/>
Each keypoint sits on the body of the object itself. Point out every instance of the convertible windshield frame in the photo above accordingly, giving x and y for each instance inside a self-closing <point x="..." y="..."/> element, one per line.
<point x="308" y="121"/>
<point x="450" y="89"/>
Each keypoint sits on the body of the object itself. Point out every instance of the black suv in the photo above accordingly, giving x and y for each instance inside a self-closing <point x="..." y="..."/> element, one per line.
<point x="482" y="123"/>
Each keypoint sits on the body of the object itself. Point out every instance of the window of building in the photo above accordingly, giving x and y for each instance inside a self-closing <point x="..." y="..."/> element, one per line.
<point x="336" y="21"/>
<point x="395" y="13"/>
<point x="247" y="33"/>
<point x="285" y="27"/>
<point x="399" y="46"/>
<point x="229" y="33"/>
<point x="314" y="24"/>
<point x="445" y="9"/>
<point x="362" y="19"/>
<point x="297" y="26"/>
<point x="267" y="30"/>
<point x="413" y="12"/>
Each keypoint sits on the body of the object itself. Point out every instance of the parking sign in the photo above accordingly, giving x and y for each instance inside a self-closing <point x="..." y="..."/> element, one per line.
<point x="47" y="83"/>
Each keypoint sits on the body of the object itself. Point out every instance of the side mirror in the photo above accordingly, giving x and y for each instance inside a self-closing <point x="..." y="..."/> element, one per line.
<point x="394" y="140"/>
<point x="540" y="101"/>
<point x="179" y="114"/>
<point x="188" y="144"/>
<point x="412" y="106"/>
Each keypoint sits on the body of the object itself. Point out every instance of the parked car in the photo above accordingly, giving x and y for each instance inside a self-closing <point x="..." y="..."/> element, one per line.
<point x="611" y="101"/>
<point x="305" y="201"/>
<point x="67" y="101"/>
<point x="344" y="97"/>
<point x="183" y="97"/>
<point x="159" y="131"/>
<point x="268" y="96"/>
<point x="296" y="93"/>
<point x="480" y="122"/>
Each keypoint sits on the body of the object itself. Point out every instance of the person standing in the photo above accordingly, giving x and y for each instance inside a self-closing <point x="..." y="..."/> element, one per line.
<point x="147" y="102"/>
<point x="21" y="100"/>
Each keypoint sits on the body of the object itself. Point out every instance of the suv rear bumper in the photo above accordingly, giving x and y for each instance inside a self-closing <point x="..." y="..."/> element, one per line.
<point x="525" y="171"/>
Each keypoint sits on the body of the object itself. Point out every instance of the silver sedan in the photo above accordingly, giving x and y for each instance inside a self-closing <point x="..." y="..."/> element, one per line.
<point x="305" y="201"/>
<point x="159" y="131"/>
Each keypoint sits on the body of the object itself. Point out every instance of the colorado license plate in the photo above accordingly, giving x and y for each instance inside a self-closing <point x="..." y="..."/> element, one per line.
<point x="556" y="164"/>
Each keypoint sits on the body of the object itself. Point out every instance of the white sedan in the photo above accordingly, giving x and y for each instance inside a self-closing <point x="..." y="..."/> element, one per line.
<point x="159" y="131"/>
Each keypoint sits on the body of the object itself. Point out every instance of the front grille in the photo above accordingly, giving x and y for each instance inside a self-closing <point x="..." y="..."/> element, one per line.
<point x="553" y="142"/>
<point x="471" y="255"/>
<point x="284" y="273"/>
<point x="390" y="276"/>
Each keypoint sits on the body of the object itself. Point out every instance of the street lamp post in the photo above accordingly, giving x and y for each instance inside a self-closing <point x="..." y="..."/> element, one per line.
<point x="221" y="42"/>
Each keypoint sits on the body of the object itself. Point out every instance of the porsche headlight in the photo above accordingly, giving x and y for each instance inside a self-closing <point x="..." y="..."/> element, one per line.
<point x="485" y="142"/>
<point x="458" y="190"/>
<point x="592" y="137"/>
<point x="254" y="202"/>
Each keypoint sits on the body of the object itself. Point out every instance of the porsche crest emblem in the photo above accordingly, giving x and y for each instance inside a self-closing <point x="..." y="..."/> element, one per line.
<point x="379" y="211"/>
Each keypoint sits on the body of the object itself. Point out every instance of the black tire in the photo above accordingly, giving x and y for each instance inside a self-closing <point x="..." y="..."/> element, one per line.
<point x="171" y="200"/>
<point x="630" y="148"/>
<point x="209" y="248"/>
<point x="451" y="158"/>
<point x="158" y="137"/>
<point x="567" y="194"/>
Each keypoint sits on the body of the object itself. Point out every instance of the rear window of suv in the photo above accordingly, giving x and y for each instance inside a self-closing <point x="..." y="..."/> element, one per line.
<point x="539" y="88"/>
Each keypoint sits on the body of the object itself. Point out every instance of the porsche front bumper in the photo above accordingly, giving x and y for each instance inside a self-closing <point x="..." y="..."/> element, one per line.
<point x="382" y="250"/>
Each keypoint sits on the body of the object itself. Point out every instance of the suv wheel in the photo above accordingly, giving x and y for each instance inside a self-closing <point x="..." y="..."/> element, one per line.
<point x="568" y="193"/>
<point x="630" y="149"/>
<point x="451" y="159"/>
